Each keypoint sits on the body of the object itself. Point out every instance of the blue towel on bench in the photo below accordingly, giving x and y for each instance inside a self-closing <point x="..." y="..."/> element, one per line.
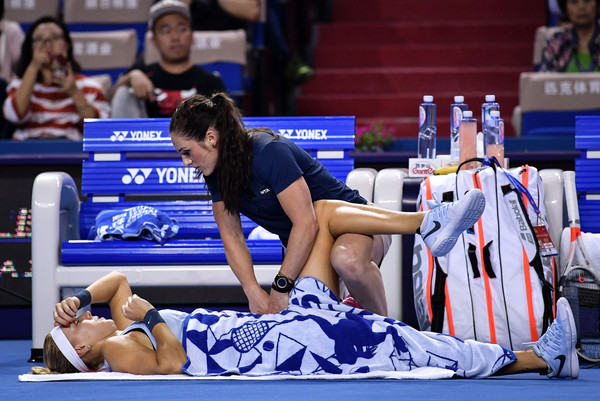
<point x="138" y="222"/>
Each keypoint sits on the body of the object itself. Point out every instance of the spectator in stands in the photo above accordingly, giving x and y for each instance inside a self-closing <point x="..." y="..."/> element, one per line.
<point x="316" y="335"/>
<point x="11" y="39"/>
<point x="162" y="85"/>
<point x="576" y="49"/>
<point x="287" y="33"/>
<point x="50" y="98"/>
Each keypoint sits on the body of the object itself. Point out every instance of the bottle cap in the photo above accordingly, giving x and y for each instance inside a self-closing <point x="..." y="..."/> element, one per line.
<point x="490" y="98"/>
<point x="428" y="99"/>
<point x="459" y="99"/>
<point x="494" y="113"/>
<point x="467" y="114"/>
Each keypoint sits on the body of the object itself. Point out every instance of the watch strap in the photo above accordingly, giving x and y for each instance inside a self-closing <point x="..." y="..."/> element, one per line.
<point x="282" y="283"/>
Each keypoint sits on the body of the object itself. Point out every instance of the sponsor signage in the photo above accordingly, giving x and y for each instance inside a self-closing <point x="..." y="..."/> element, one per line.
<point x="152" y="134"/>
<point x="140" y="176"/>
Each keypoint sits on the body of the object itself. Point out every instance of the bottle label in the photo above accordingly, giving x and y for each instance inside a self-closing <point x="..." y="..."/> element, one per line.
<point x="422" y="116"/>
<point x="501" y="131"/>
<point x="457" y="116"/>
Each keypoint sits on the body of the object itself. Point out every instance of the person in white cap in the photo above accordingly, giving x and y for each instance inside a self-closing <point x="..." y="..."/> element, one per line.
<point x="160" y="86"/>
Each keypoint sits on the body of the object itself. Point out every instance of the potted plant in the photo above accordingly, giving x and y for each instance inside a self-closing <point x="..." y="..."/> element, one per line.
<point x="373" y="138"/>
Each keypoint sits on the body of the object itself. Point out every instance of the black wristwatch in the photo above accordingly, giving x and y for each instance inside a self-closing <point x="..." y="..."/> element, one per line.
<point x="282" y="283"/>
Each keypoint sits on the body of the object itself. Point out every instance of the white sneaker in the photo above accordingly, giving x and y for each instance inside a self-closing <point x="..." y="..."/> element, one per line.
<point x="444" y="223"/>
<point x="557" y="346"/>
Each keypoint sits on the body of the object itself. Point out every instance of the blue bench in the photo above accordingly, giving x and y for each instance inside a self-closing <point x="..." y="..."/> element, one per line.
<point x="133" y="162"/>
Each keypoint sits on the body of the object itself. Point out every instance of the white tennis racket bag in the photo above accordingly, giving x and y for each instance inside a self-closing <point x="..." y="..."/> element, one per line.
<point x="494" y="285"/>
<point x="580" y="279"/>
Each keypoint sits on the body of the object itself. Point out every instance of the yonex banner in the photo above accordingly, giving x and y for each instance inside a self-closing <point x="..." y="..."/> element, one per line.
<point x="152" y="134"/>
<point x="139" y="176"/>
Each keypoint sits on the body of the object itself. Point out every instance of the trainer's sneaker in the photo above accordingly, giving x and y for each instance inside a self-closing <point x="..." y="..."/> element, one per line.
<point x="444" y="223"/>
<point x="557" y="346"/>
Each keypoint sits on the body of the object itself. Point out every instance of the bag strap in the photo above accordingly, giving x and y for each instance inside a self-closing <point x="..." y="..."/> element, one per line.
<point x="438" y="299"/>
<point x="493" y="162"/>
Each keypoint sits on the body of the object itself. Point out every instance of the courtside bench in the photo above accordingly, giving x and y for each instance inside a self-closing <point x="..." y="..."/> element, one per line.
<point x="132" y="162"/>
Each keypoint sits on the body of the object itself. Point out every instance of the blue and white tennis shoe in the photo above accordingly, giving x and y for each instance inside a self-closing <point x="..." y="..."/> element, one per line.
<point x="557" y="346"/>
<point x="444" y="223"/>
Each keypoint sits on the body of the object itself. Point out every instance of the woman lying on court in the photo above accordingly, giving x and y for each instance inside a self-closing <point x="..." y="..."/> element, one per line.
<point x="315" y="335"/>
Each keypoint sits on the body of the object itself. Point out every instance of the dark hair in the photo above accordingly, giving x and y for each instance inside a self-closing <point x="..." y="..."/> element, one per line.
<point x="27" y="47"/>
<point x="2" y="9"/>
<point x="192" y="119"/>
<point x="562" y="4"/>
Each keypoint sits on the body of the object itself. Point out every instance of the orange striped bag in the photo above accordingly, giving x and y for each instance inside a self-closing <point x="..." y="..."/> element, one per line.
<point x="494" y="285"/>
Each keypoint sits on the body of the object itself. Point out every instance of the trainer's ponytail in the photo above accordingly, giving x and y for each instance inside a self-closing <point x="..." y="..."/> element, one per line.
<point x="192" y="119"/>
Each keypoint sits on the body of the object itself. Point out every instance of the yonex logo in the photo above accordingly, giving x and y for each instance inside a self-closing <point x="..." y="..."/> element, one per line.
<point x="137" y="175"/>
<point x="305" y="134"/>
<point x="118" y="136"/>
<point x="286" y="132"/>
<point x="136" y="136"/>
<point x="169" y="175"/>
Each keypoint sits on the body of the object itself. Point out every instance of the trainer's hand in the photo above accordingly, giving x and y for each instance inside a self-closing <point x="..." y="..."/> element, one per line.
<point x="278" y="301"/>
<point x="136" y="308"/>
<point x="258" y="301"/>
<point x="65" y="311"/>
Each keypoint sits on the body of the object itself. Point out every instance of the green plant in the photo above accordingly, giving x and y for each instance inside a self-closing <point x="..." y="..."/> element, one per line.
<point x="376" y="137"/>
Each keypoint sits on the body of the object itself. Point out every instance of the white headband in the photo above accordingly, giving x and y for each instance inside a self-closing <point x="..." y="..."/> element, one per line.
<point x="67" y="349"/>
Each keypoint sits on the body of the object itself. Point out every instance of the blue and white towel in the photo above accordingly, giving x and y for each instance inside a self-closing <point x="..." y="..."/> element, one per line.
<point x="317" y="335"/>
<point x="138" y="222"/>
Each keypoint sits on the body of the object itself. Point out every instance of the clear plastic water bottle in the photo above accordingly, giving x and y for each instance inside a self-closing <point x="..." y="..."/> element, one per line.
<point x="489" y="105"/>
<point x="456" y="115"/>
<point x="494" y="137"/>
<point x="427" y="128"/>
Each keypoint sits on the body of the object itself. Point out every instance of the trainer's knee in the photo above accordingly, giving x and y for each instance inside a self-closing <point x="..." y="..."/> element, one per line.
<point x="350" y="263"/>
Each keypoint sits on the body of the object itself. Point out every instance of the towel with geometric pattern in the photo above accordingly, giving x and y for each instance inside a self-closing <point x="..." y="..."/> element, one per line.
<point x="318" y="335"/>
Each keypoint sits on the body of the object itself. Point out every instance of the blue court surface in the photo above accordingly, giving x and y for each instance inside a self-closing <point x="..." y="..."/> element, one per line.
<point x="529" y="387"/>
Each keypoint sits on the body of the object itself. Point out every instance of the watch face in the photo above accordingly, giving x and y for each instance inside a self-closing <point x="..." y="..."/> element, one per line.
<point x="282" y="282"/>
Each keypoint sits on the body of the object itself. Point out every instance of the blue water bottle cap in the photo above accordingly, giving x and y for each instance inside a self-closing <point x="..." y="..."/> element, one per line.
<point x="467" y="114"/>
<point x="428" y="99"/>
<point x="494" y="113"/>
<point x="459" y="99"/>
<point x="490" y="98"/>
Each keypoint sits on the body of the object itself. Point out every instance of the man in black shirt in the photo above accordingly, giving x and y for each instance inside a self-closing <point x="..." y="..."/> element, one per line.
<point x="162" y="85"/>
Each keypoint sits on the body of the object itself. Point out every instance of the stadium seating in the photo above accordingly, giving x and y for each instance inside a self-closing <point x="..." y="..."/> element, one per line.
<point x="108" y="15"/>
<point x="27" y="11"/>
<point x="549" y="102"/>
<point x="105" y="52"/>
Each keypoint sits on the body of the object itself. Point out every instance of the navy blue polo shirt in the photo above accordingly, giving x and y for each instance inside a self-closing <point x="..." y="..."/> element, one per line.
<point x="277" y="163"/>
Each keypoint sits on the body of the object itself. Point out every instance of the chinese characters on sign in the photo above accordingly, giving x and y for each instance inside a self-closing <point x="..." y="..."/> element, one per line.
<point x="571" y="88"/>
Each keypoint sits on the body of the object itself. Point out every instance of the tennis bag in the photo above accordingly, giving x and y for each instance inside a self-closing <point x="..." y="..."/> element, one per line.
<point x="495" y="285"/>
<point x="581" y="286"/>
<point x="580" y="282"/>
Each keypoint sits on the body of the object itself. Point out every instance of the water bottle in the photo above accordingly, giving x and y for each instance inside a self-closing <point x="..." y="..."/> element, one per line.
<point x="427" y="128"/>
<point x="456" y="115"/>
<point x="467" y="139"/>
<point x="489" y="105"/>
<point x="494" y="137"/>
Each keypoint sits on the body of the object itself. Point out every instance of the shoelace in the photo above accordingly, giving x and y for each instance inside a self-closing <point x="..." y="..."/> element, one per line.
<point x="435" y="202"/>
<point x="439" y="212"/>
<point x="550" y="340"/>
